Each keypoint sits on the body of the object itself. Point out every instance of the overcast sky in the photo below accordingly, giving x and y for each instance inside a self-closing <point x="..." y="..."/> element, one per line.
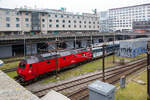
<point x="72" y="5"/>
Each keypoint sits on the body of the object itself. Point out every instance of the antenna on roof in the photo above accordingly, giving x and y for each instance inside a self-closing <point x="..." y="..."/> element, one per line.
<point x="95" y="11"/>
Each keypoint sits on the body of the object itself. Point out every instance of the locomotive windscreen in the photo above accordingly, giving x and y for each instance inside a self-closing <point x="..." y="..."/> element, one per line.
<point x="32" y="59"/>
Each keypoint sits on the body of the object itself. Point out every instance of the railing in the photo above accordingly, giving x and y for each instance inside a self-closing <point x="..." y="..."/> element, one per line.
<point x="77" y="34"/>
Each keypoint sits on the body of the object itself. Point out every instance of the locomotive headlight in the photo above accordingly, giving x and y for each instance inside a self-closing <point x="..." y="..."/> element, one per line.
<point x="29" y="71"/>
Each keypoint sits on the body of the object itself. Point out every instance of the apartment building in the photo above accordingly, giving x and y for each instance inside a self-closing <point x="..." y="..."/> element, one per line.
<point x="122" y="19"/>
<point x="38" y="21"/>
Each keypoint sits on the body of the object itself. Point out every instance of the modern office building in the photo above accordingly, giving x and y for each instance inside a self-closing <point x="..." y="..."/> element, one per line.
<point x="37" y="21"/>
<point x="122" y="18"/>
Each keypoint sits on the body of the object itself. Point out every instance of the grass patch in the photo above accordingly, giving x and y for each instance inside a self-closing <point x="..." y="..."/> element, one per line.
<point x="133" y="91"/>
<point x="9" y="65"/>
<point x="11" y="58"/>
<point x="12" y="74"/>
<point x="86" y="68"/>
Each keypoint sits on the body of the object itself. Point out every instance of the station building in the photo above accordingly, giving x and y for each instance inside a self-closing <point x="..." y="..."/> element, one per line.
<point x="44" y="21"/>
<point x="20" y="21"/>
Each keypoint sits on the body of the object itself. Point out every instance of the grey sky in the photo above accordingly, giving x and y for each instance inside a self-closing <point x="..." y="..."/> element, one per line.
<point x="72" y="5"/>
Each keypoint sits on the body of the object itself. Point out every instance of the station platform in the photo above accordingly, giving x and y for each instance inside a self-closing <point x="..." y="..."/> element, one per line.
<point x="11" y="90"/>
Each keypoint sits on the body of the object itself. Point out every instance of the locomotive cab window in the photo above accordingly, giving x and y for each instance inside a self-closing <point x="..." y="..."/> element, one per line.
<point x="30" y="66"/>
<point x="22" y="65"/>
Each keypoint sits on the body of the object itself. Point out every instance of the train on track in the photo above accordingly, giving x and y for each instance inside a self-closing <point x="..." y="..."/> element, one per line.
<point x="35" y="66"/>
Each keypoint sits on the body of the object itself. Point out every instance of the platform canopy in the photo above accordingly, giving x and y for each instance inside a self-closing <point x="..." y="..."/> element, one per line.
<point x="1" y="62"/>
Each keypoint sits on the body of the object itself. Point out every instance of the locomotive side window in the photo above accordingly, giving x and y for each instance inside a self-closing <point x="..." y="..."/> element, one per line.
<point x="30" y="66"/>
<point x="48" y="62"/>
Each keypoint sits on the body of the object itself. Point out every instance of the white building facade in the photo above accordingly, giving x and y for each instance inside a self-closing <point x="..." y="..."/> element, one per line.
<point x="121" y="19"/>
<point x="34" y="21"/>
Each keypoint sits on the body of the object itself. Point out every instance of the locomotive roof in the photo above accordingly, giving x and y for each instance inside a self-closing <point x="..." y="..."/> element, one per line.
<point x="46" y="56"/>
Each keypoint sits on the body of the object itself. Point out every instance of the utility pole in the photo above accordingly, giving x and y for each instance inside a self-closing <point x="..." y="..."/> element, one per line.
<point x="57" y="43"/>
<point x="75" y="41"/>
<point x="114" y="49"/>
<point x="148" y="70"/>
<point x="103" y="67"/>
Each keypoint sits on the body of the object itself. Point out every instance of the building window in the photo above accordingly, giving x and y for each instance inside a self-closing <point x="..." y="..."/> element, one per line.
<point x="43" y="14"/>
<point x="62" y="16"/>
<point x="17" y="19"/>
<point x="43" y="25"/>
<point x="17" y="13"/>
<point x="50" y="20"/>
<point x="74" y="21"/>
<point x="43" y="20"/>
<point x="89" y="26"/>
<point x="26" y="13"/>
<point x="84" y="22"/>
<point x="93" y="22"/>
<point x="79" y="21"/>
<point x="7" y="25"/>
<point x="27" y="25"/>
<point x="84" y="26"/>
<point x="63" y="26"/>
<point x="26" y="19"/>
<point x="57" y="25"/>
<point x="7" y="19"/>
<point x="57" y="20"/>
<point x="80" y="26"/>
<point x="63" y="21"/>
<point x="69" y="26"/>
<point x="89" y="22"/>
<point x="50" y="25"/>
<point x="67" y="16"/>
<point x="17" y="25"/>
<point x="49" y="15"/>
<point x="69" y="21"/>
<point x="75" y="26"/>
<point x="78" y="17"/>
<point x="56" y="16"/>
<point x="7" y="12"/>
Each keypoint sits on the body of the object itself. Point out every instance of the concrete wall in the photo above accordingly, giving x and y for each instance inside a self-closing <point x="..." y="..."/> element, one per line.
<point x="5" y="51"/>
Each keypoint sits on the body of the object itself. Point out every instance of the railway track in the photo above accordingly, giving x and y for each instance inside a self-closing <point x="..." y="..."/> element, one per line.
<point x="81" y="84"/>
<point x="10" y="70"/>
<point x="83" y="94"/>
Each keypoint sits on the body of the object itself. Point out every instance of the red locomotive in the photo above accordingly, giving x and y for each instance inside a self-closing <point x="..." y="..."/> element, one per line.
<point x="35" y="66"/>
